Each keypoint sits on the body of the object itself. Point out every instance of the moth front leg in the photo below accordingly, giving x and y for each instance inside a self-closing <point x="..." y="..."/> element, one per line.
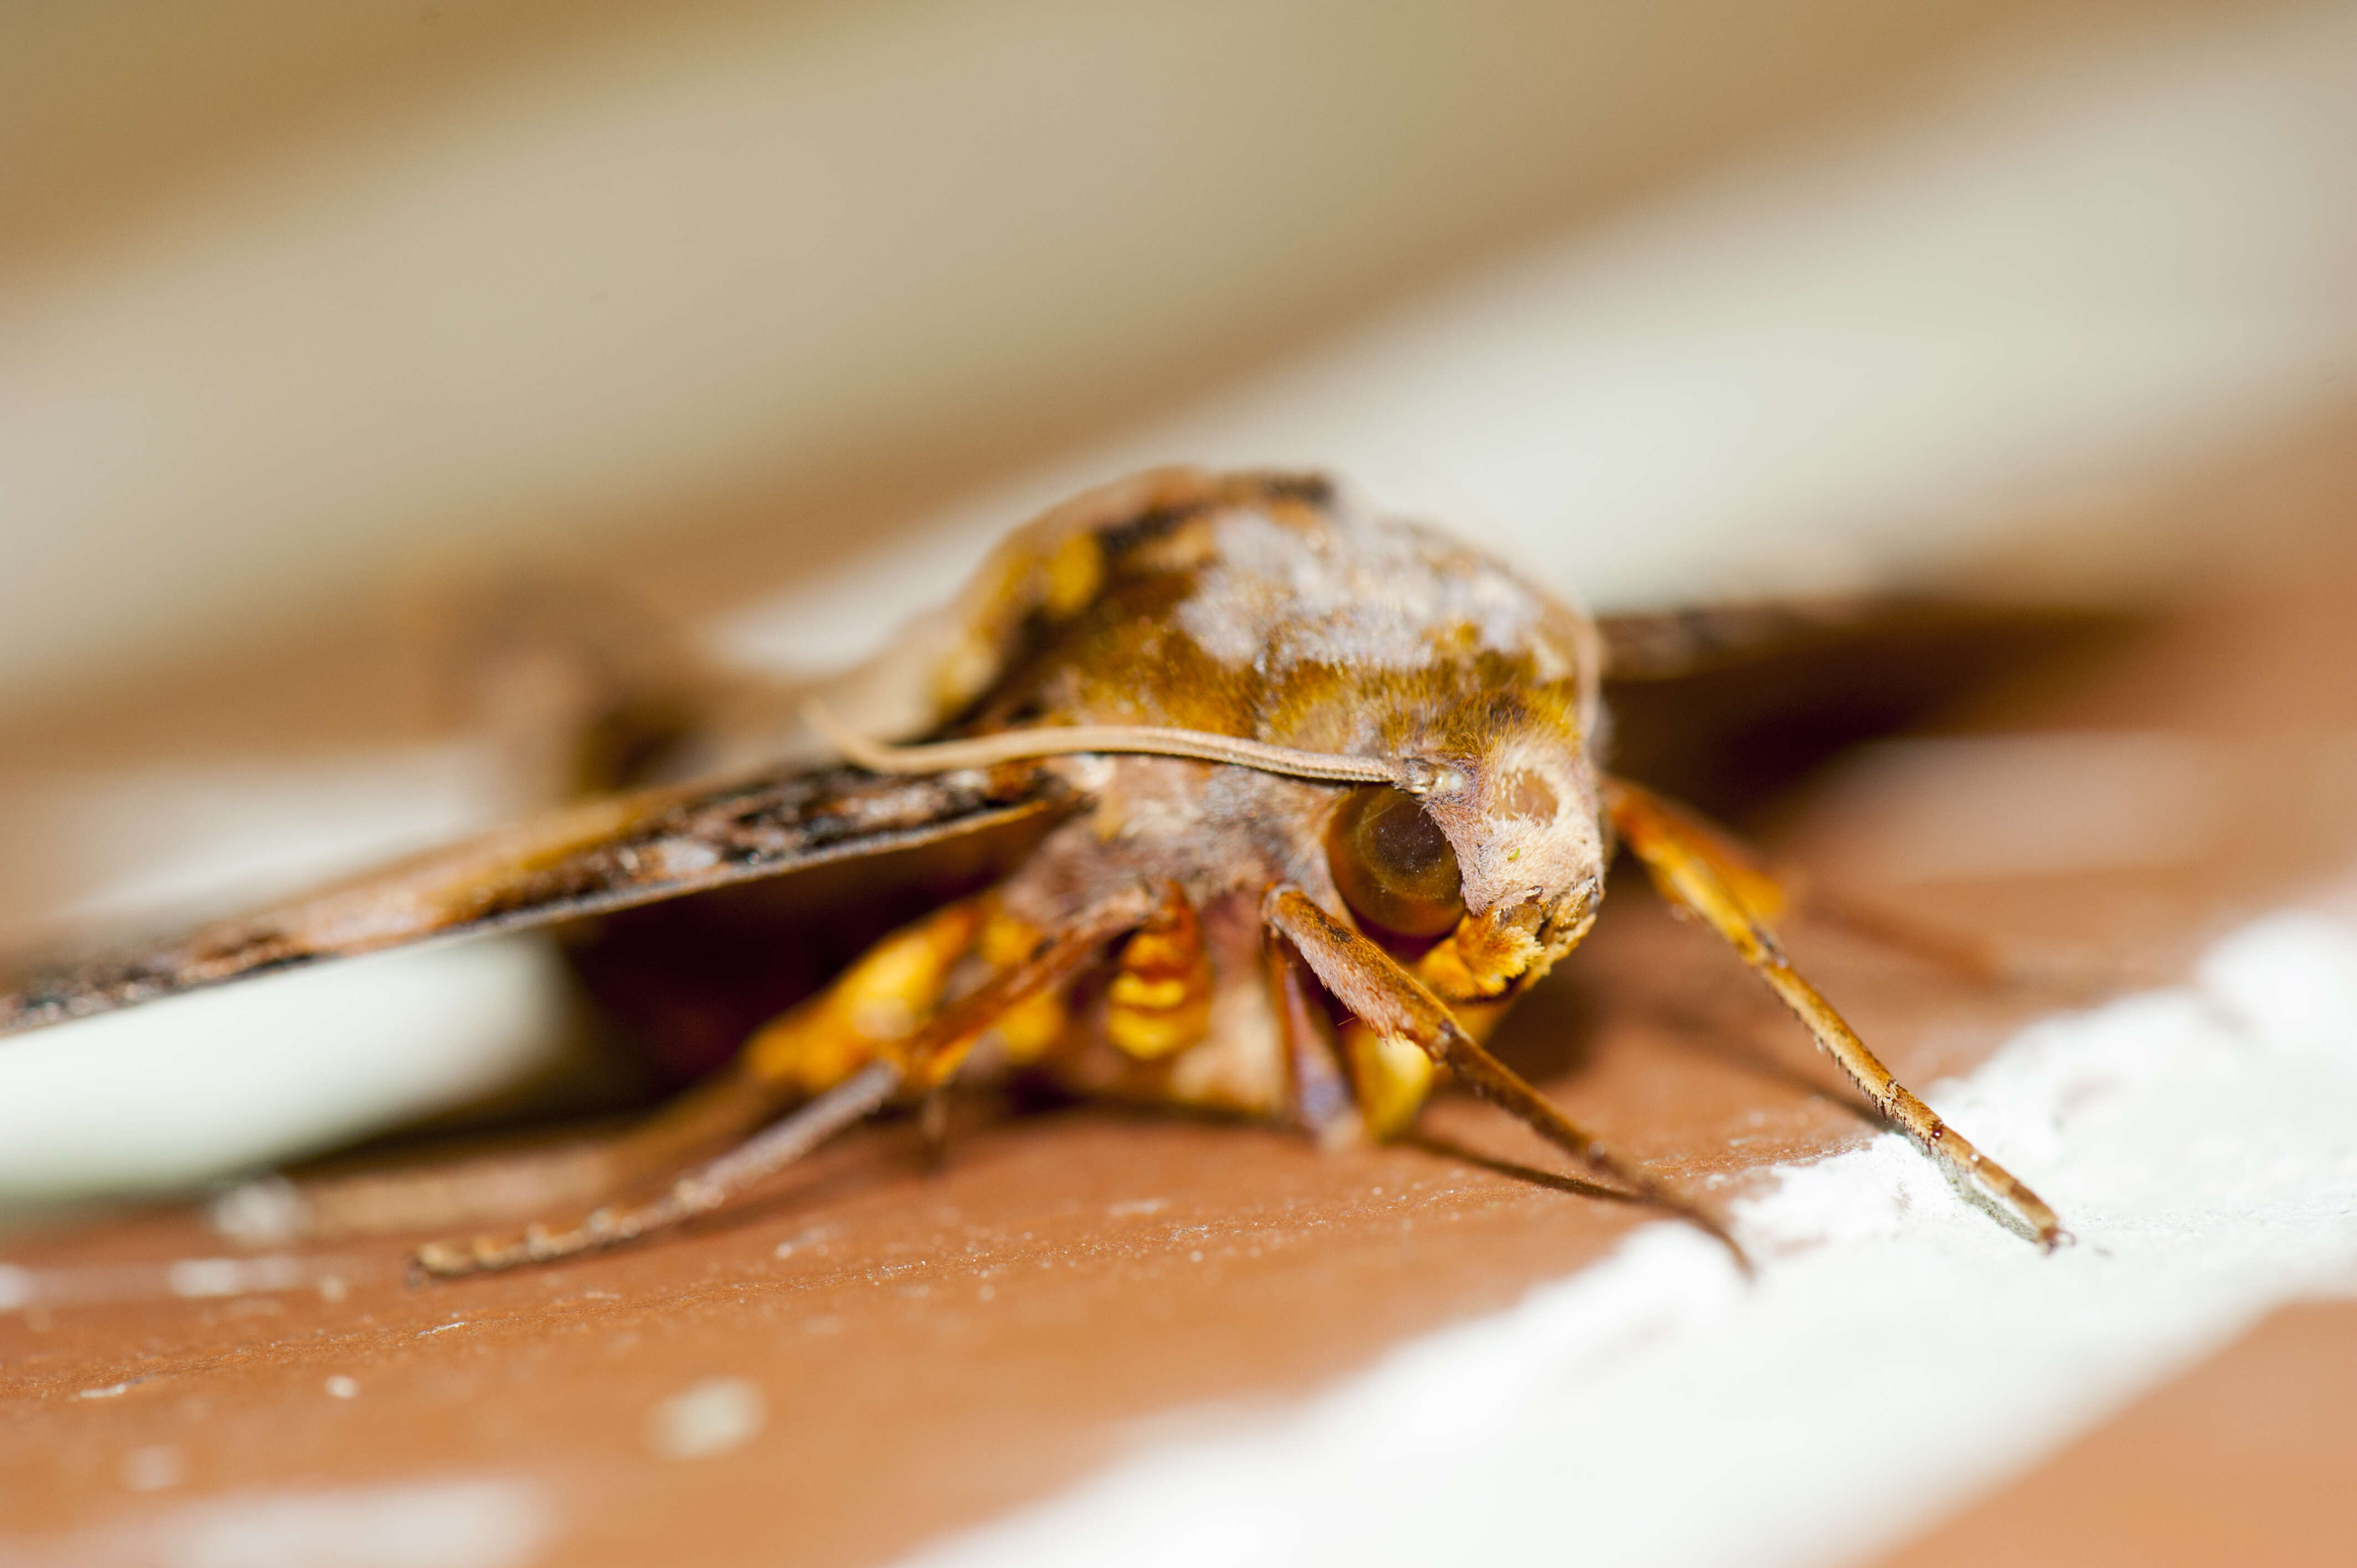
<point x="1395" y="1004"/>
<point x="1698" y="873"/>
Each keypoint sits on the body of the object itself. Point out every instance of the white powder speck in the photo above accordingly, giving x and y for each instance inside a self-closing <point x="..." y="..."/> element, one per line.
<point x="712" y="1417"/>
<point x="154" y="1468"/>
<point x="199" y="1277"/>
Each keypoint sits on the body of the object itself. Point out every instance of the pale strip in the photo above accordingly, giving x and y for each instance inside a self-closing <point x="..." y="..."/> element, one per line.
<point x="1897" y="1356"/>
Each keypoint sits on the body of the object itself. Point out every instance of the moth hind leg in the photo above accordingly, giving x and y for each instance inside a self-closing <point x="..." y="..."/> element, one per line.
<point x="823" y="1040"/>
<point x="1699" y="873"/>
<point x="697" y="1191"/>
<point x="449" y="1194"/>
<point x="885" y="994"/>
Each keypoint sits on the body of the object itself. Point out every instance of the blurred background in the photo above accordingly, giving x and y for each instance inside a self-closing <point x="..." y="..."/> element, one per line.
<point x="296" y="299"/>
<point x="776" y="315"/>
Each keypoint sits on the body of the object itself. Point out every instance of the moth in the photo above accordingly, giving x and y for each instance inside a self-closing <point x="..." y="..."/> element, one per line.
<point x="1222" y="791"/>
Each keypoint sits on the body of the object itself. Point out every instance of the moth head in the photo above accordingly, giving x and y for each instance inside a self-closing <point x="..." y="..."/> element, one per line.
<point x="1499" y="849"/>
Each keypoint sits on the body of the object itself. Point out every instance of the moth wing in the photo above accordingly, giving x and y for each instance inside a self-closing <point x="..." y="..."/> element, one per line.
<point x="1050" y="569"/>
<point x="600" y="856"/>
<point x="1724" y="706"/>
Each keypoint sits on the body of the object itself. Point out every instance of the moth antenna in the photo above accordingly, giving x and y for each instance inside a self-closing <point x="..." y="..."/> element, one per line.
<point x="1065" y="740"/>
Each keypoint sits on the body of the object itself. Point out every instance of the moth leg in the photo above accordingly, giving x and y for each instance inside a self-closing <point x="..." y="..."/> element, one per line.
<point x="454" y="1193"/>
<point x="1160" y="999"/>
<point x="1695" y="872"/>
<point x="1395" y="1004"/>
<point x="1392" y="1077"/>
<point x="1322" y="1099"/>
<point x="697" y="1191"/>
<point x="920" y="1061"/>
<point x="883" y="995"/>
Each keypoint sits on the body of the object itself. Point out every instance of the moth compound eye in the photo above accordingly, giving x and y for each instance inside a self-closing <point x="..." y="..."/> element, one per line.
<point x="1393" y="864"/>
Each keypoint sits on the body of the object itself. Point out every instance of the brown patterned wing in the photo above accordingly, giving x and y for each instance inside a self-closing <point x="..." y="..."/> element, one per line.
<point x="600" y="856"/>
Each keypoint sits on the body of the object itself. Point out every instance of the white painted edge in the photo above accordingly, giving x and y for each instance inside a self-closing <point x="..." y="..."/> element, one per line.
<point x="457" y="1521"/>
<point x="1897" y="1355"/>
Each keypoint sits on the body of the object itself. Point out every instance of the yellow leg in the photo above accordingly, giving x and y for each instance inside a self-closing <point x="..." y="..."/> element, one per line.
<point x="1394" y="1077"/>
<point x="1698" y="872"/>
<point x="1160" y="997"/>
<point x="880" y="1001"/>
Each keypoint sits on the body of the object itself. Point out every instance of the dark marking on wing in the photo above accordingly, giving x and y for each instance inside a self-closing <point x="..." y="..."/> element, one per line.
<point x="601" y="855"/>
